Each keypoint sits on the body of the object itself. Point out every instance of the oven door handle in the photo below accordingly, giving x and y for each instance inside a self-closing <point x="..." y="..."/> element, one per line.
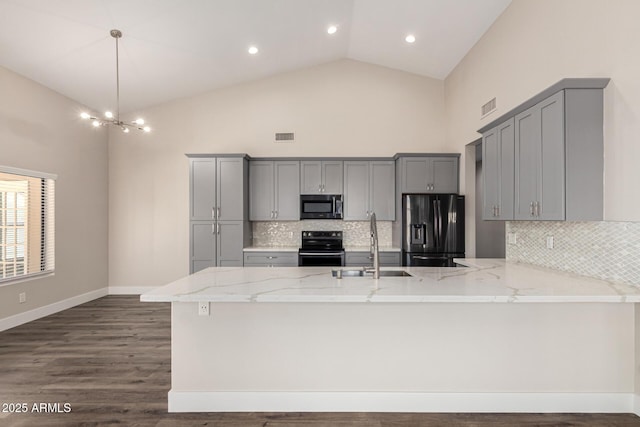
<point x="319" y="253"/>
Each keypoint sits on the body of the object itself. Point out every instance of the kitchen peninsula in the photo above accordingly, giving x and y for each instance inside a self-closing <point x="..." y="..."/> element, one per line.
<point x="489" y="336"/>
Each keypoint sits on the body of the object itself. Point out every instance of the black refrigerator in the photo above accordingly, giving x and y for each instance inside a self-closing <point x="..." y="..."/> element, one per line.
<point x="432" y="229"/>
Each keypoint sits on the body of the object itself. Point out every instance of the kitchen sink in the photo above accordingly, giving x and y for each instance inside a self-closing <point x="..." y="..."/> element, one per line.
<point x="367" y="273"/>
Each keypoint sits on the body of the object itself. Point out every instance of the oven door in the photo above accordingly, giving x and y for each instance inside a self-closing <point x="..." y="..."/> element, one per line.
<point x="320" y="259"/>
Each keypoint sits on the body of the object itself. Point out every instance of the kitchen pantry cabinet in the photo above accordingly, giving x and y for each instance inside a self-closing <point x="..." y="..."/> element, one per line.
<point x="274" y="190"/>
<point x="429" y="174"/>
<point x="321" y="177"/>
<point x="498" y="172"/>
<point x="218" y="200"/>
<point x="558" y="154"/>
<point x="365" y="259"/>
<point x="369" y="186"/>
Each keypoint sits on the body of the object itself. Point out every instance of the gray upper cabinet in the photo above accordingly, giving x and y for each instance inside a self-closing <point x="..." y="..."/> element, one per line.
<point x="369" y="186"/>
<point x="217" y="188"/>
<point x="431" y="174"/>
<point x="498" y="172"/>
<point x="558" y="155"/>
<point x="274" y="190"/>
<point x="540" y="160"/>
<point x="318" y="177"/>
<point x="218" y="211"/>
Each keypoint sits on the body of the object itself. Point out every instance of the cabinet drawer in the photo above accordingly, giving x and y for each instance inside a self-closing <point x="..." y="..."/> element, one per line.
<point x="270" y="259"/>
<point x="359" y="259"/>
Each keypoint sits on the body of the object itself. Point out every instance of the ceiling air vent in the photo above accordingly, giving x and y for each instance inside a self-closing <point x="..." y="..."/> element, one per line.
<point x="488" y="108"/>
<point x="284" y="137"/>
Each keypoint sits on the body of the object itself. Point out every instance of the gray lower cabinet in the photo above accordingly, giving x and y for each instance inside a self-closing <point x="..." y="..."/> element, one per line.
<point x="216" y="244"/>
<point x="274" y="190"/>
<point x="219" y="199"/>
<point x="321" y="177"/>
<point x="498" y="172"/>
<point x="270" y="259"/>
<point x="369" y="186"/>
<point x="365" y="259"/>
<point x="429" y="174"/>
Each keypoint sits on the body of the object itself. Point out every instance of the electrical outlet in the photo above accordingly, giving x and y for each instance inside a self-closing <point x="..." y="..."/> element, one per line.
<point x="512" y="238"/>
<point x="203" y="308"/>
<point x="22" y="297"/>
<point x="549" y="242"/>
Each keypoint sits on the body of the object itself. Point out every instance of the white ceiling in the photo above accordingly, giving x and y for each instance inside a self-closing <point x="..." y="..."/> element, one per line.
<point x="177" y="48"/>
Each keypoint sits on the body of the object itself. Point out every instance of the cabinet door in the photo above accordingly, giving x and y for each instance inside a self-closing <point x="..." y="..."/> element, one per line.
<point x="490" y="174"/>
<point x="551" y="185"/>
<point x="230" y="188"/>
<point x="203" y="245"/>
<point x="443" y="174"/>
<point x="287" y="191"/>
<point x="311" y="177"/>
<point x="498" y="172"/>
<point x="229" y="239"/>
<point x="356" y="190"/>
<point x="382" y="199"/>
<point x="261" y="190"/>
<point x="202" y="182"/>
<point x="527" y="162"/>
<point x="332" y="177"/>
<point x="415" y="175"/>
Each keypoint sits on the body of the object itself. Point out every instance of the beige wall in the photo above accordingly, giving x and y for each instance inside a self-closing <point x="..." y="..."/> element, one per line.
<point x="39" y="130"/>
<point x="535" y="43"/>
<point x="343" y="108"/>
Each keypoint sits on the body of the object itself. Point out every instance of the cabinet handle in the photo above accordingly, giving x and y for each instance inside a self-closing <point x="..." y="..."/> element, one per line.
<point x="537" y="209"/>
<point x="497" y="210"/>
<point x="531" y="209"/>
<point x="276" y="214"/>
<point x="218" y="209"/>
<point x="319" y="188"/>
<point x="213" y="228"/>
<point x="272" y="257"/>
<point x="213" y="212"/>
<point x="367" y="214"/>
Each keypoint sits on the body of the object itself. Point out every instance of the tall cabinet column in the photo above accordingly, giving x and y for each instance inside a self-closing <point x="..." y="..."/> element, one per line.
<point x="218" y="210"/>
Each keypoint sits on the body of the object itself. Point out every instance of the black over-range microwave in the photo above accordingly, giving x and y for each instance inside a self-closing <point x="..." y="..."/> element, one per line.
<point x="321" y="206"/>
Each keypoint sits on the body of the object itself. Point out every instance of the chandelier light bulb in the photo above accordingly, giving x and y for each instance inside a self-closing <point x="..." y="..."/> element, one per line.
<point x="95" y="123"/>
<point x="139" y="121"/>
<point x="85" y="116"/>
<point x="108" y="115"/>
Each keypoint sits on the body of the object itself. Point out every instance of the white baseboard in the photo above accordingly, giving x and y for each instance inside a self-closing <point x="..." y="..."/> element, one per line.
<point x="180" y="401"/>
<point x="636" y="404"/>
<point x="47" y="310"/>
<point x="129" y="290"/>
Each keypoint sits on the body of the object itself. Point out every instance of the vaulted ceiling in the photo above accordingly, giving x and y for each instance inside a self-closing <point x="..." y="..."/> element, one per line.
<point x="177" y="48"/>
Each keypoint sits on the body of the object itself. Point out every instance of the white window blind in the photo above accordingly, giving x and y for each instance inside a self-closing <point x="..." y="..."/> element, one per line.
<point x="27" y="221"/>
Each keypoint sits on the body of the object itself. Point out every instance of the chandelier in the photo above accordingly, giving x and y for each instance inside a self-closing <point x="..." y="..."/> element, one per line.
<point x="109" y="117"/>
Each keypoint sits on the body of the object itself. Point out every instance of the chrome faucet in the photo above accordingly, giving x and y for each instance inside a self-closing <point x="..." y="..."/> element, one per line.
<point x="375" y="254"/>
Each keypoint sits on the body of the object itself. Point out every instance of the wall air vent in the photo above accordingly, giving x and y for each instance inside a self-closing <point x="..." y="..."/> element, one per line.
<point x="488" y="108"/>
<point x="284" y="137"/>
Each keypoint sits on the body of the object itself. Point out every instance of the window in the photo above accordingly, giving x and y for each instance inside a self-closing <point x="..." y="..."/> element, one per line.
<point x="27" y="246"/>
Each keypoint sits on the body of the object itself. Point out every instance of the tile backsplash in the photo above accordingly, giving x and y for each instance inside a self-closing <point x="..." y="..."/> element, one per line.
<point x="604" y="250"/>
<point x="289" y="233"/>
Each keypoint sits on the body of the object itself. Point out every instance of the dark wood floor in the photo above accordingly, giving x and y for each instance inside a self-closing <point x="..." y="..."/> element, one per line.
<point x="110" y="361"/>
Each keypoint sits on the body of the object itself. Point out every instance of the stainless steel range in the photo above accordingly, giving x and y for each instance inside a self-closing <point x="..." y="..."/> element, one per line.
<point x="321" y="248"/>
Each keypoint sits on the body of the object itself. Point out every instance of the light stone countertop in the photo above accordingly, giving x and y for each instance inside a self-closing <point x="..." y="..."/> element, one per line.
<point x="484" y="280"/>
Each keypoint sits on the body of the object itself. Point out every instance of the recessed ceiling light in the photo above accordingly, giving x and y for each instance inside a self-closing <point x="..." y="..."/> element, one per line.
<point x="410" y="38"/>
<point x="332" y="29"/>
<point x="253" y="50"/>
